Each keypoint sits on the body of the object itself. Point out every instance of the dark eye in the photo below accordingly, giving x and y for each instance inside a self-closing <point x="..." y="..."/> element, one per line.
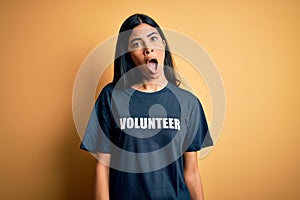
<point x="154" y="38"/>
<point x="136" y="44"/>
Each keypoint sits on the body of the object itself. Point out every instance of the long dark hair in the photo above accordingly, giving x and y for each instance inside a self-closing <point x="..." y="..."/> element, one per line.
<point x="123" y="62"/>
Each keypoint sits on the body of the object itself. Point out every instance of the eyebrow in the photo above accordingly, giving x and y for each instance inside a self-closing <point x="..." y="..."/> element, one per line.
<point x="149" y="35"/>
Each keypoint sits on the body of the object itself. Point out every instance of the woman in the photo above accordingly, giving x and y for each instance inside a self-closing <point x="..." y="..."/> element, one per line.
<point x="145" y="130"/>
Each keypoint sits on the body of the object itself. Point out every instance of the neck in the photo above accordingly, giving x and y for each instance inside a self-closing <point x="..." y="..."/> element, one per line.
<point x="151" y="85"/>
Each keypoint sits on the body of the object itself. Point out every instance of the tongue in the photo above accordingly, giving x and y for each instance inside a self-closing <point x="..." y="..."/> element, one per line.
<point x="152" y="66"/>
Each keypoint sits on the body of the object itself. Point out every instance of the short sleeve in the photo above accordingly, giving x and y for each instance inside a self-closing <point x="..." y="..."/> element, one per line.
<point x="98" y="132"/>
<point x="198" y="131"/>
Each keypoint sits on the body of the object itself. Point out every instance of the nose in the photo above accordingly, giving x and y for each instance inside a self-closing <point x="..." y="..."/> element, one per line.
<point x="148" y="50"/>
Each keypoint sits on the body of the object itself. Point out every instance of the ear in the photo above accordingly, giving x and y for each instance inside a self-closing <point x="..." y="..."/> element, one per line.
<point x="164" y="42"/>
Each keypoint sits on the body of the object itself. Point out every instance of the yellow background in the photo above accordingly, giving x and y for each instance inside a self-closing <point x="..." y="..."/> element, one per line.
<point x="255" y="45"/>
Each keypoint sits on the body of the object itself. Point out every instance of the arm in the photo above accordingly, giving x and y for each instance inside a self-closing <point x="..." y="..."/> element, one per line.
<point x="192" y="175"/>
<point x="102" y="177"/>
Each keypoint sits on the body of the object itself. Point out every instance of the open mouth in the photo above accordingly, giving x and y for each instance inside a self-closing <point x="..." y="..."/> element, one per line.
<point x="152" y="65"/>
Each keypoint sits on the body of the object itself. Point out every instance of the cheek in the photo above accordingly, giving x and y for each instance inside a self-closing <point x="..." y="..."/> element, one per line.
<point x="161" y="56"/>
<point x="136" y="57"/>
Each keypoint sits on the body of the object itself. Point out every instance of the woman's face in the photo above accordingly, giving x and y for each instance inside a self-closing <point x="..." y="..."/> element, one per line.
<point x="147" y="50"/>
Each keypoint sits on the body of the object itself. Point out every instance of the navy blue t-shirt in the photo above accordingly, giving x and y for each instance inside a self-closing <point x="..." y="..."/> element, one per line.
<point x="146" y="135"/>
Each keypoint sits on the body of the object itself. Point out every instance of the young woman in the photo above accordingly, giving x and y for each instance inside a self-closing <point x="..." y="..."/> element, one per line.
<point x="145" y="130"/>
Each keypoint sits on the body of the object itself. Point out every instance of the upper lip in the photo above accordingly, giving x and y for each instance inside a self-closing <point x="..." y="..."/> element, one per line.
<point x="152" y="58"/>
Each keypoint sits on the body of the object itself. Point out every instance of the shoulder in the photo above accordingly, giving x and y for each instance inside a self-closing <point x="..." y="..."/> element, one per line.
<point x="104" y="97"/>
<point x="184" y="95"/>
<point x="106" y="92"/>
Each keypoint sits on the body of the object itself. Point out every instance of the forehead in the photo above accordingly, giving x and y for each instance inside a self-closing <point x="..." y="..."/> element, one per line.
<point x="142" y="30"/>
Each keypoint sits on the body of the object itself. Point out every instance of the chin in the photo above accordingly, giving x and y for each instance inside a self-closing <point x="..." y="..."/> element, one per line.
<point x="157" y="75"/>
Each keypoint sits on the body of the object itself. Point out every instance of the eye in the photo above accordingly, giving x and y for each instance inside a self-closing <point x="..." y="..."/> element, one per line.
<point x="154" y="38"/>
<point x="136" y="44"/>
